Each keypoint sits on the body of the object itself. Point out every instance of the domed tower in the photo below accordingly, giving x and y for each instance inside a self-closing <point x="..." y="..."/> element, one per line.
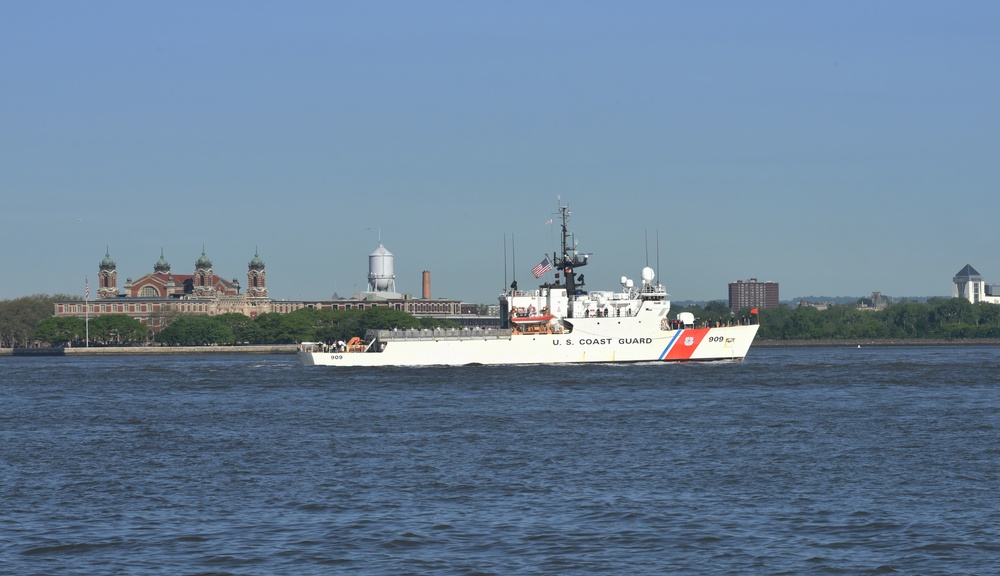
<point x="161" y="266"/>
<point x="381" y="277"/>
<point x="204" y="278"/>
<point x="107" y="276"/>
<point x="256" y="277"/>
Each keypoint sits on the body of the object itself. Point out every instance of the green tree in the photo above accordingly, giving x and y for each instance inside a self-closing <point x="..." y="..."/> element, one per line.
<point x="954" y="311"/>
<point x="774" y="322"/>
<point x="243" y="327"/>
<point x="267" y="328"/>
<point x="387" y="318"/>
<point x="340" y="325"/>
<point x="936" y="318"/>
<point x="988" y="314"/>
<point x="21" y="316"/>
<point x="804" y="323"/>
<point x="911" y="319"/>
<point x="298" y="326"/>
<point x="117" y="329"/>
<point x="273" y="328"/>
<point x="195" y="330"/>
<point x="61" y="331"/>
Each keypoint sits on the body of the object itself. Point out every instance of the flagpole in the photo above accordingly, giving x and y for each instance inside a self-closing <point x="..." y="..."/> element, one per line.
<point x="513" y="263"/>
<point x="86" y="311"/>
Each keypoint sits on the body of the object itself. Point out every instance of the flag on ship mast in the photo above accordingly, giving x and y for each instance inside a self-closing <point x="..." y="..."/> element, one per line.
<point x="541" y="268"/>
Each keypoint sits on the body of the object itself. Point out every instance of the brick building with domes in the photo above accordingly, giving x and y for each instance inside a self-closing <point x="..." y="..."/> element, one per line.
<point x="155" y="298"/>
<point x="203" y="283"/>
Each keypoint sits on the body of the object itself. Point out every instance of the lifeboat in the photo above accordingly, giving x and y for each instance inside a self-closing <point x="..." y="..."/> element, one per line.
<point x="532" y="319"/>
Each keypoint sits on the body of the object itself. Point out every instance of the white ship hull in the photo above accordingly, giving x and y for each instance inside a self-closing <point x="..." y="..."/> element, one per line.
<point x="582" y="346"/>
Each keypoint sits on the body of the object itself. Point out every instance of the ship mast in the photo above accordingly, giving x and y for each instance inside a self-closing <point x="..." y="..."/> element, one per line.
<point x="569" y="259"/>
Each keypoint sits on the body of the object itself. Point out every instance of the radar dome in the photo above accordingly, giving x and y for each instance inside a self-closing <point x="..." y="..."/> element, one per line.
<point x="648" y="275"/>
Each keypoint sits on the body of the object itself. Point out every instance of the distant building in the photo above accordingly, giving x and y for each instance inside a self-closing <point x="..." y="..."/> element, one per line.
<point x="816" y="305"/>
<point x="155" y="298"/>
<point x="203" y="284"/>
<point x="752" y="294"/>
<point x="968" y="284"/>
<point x="880" y="302"/>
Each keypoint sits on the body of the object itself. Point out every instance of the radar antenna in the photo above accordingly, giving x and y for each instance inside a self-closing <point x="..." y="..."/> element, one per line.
<point x="567" y="261"/>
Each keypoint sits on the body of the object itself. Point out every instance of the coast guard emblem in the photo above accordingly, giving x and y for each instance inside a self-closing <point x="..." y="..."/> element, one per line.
<point x="689" y="341"/>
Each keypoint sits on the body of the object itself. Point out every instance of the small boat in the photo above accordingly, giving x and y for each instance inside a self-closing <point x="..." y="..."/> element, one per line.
<point x="531" y="319"/>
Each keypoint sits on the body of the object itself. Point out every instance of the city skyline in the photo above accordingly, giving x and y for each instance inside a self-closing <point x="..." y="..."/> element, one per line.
<point x="837" y="149"/>
<point x="258" y="263"/>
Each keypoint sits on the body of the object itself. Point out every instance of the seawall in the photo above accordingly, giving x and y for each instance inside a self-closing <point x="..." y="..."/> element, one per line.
<point x="147" y="350"/>
<point x="876" y="342"/>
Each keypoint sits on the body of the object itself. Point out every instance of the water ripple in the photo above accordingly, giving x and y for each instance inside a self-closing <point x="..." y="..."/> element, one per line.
<point x="820" y="461"/>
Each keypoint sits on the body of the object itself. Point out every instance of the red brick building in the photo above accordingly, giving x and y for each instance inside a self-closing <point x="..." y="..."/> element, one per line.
<point x="162" y="283"/>
<point x="753" y="294"/>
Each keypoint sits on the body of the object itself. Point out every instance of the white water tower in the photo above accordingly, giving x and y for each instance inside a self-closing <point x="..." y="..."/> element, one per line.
<point x="381" y="276"/>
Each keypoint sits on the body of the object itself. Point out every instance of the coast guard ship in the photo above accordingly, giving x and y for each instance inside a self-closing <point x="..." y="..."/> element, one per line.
<point x="557" y="323"/>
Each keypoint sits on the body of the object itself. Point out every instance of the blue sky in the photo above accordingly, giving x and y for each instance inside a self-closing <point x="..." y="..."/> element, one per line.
<point x="836" y="148"/>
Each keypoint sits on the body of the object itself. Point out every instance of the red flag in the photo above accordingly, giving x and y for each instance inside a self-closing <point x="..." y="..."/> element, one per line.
<point x="753" y="311"/>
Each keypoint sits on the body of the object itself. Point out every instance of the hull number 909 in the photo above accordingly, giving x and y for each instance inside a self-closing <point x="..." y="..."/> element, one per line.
<point x="715" y="339"/>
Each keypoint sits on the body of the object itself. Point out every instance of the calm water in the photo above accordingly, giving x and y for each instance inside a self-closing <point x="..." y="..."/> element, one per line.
<point x="822" y="461"/>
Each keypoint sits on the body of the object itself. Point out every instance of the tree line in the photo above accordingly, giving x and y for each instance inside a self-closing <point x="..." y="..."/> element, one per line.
<point x="28" y="321"/>
<point x="939" y="318"/>
<point x="20" y="318"/>
<point x="305" y="325"/>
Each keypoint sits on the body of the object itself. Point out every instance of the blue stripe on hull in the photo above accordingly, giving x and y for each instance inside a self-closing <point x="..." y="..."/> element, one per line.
<point x="670" y="345"/>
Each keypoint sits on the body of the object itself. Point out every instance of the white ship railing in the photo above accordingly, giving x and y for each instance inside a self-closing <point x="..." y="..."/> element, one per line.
<point x="439" y="334"/>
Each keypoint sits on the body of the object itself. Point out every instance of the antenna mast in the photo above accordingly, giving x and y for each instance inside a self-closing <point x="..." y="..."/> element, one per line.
<point x="505" y="260"/>
<point x="657" y="255"/>
<point x="513" y="262"/>
<point x="566" y="262"/>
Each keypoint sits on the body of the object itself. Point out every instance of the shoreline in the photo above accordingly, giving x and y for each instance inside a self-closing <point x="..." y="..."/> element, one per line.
<point x="148" y="350"/>
<point x="855" y="342"/>
<point x="291" y="348"/>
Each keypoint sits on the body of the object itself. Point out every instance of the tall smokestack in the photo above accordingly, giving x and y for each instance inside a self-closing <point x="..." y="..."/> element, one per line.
<point x="427" y="285"/>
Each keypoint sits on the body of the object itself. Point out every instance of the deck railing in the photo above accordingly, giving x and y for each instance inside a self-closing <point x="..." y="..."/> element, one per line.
<point x="439" y="334"/>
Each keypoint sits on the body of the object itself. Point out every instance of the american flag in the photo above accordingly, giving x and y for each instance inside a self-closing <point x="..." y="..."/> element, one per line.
<point x="541" y="268"/>
<point x="87" y="289"/>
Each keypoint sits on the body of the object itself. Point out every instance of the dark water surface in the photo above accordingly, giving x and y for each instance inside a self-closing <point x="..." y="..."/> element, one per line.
<point x="820" y="461"/>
